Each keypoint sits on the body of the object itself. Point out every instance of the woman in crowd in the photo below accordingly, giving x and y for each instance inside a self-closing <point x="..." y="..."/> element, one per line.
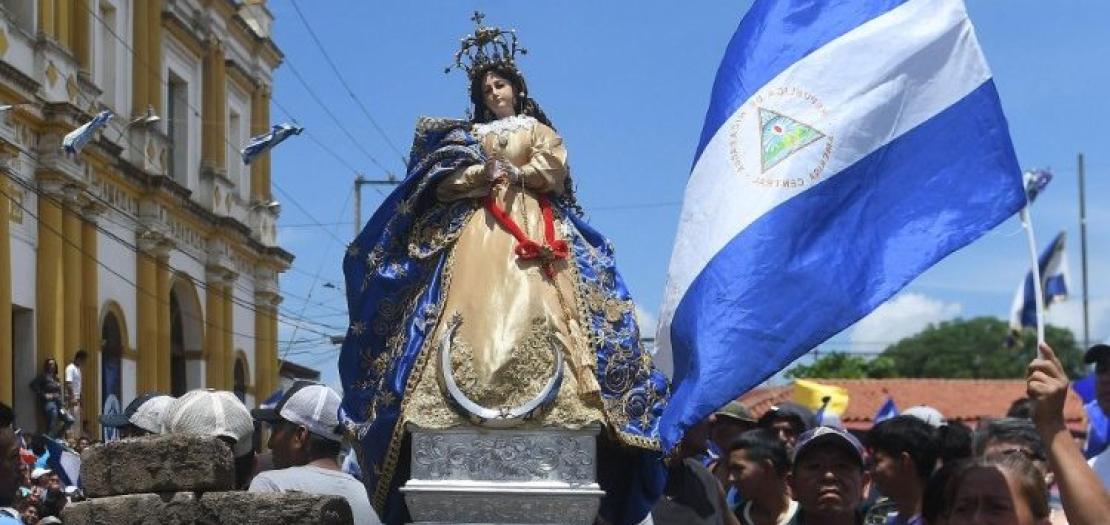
<point x="1003" y="490"/>
<point x="48" y="388"/>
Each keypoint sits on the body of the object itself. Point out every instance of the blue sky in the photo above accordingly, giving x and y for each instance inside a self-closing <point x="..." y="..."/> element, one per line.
<point x="627" y="86"/>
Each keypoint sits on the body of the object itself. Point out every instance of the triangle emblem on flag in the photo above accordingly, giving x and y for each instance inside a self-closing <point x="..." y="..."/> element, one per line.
<point x="781" y="136"/>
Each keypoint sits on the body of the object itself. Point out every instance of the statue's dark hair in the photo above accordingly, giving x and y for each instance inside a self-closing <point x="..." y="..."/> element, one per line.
<point x="524" y="105"/>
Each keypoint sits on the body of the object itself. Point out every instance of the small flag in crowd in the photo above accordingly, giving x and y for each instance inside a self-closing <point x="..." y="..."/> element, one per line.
<point x="817" y="396"/>
<point x="76" y="139"/>
<point x="1035" y="183"/>
<point x="1098" y="424"/>
<point x="887" y="411"/>
<point x="1053" y="265"/>
<point x="261" y="143"/>
<point x="272" y="401"/>
<point x="822" y="184"/>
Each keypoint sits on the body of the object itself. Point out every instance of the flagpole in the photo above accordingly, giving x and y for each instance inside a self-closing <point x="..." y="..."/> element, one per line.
<point x="1038" y="293"/>
<point x="1083" y="248"/>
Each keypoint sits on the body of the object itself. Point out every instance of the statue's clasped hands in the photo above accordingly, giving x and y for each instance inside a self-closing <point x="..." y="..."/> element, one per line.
<point x="497" y="170"/>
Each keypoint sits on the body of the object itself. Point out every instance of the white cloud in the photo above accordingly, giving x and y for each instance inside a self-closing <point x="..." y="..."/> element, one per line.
<point x="1069" y="314"/>
<point x="647" y="322"/>
<point x="901" y="317"/>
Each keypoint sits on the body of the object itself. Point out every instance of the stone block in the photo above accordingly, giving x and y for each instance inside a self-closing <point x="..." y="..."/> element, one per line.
<point x="166" y="463"/>
<point x="276" y="508"/>
<point x="137" y="509"/>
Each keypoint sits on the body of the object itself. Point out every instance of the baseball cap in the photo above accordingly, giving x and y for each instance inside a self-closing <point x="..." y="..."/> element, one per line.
<point x="145" y="412"/>
<point x="1096" y="352"/>
<point x="40" y="472"/>
<point x="310" y="405"/>
<point x="212" y="413"/>
<point x="819" y="435"/>
<point x="735" y="410"/>
<point x="802" y="416"/>
<point x="927" y="414"/>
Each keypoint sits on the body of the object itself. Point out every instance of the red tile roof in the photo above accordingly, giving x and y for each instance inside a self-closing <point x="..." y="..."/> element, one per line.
<point x="967" y="400"/>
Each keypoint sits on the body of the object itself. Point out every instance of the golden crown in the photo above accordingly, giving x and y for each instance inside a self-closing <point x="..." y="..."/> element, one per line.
<point x="485" y="47"/>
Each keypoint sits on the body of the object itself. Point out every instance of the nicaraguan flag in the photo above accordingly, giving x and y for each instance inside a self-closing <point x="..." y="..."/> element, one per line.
<point x="848" y="146"/>
<point x="76" y="139"/>
<point x="260" y="143"/>
<point x="1054" y="283"/>
<point x="885" y="412"/>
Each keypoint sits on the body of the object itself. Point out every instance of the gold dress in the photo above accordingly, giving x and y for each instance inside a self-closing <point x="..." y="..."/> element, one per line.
<point x="509" y="306"/>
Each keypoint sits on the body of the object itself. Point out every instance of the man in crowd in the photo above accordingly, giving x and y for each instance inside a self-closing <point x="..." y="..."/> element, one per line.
<point x="143" y="416"/>
<point x="828" y="479"/>
<point x="788" y="420"/>
<point x="692" y="495"/>
<point x="306" y="439"/>
<point x="220" y="414"/>
<point x="73" y="390"/>
<point x="904" y="452"/>
<point x="758" y="467"/>
<point x="1012" y="436"/>
<point x="725" y="425"/>
<point x="9" y="475"/>
<point x="1100" y="356"/>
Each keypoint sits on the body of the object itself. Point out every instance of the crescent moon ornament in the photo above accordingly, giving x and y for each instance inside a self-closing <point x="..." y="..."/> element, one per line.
<point x="503" y="417"/>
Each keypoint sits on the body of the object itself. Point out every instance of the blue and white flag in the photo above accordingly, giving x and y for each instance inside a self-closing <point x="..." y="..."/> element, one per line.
<point x="76" y="139"/>
<point x="261" y="143"/>
<point x="885" y="412"/>
<point x="848" y="147"/>
<point x="1054" y="283"/>
<point x="272" y="401"/>
<point x="1035" y="183"/>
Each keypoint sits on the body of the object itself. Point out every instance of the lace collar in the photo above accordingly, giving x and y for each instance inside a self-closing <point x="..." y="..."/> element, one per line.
<point x="512" y="123"/>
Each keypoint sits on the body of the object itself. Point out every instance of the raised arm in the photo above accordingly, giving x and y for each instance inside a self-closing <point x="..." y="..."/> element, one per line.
<point x="1084" y="498"/>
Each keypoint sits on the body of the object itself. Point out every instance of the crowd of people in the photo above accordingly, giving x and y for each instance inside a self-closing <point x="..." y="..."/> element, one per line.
<point x="305" y="445"/>
<point x="785" y="467"/>
<point x="916" y="468"/>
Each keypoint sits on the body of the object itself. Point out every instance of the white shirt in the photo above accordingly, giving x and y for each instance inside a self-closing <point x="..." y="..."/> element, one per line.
<point x="73" y="377"/>
<point x="316" y="480"/>
<point x="1101" y="465"/>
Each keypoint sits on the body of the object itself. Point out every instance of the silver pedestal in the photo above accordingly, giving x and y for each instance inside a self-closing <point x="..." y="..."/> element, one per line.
<point x="479" y="475"/>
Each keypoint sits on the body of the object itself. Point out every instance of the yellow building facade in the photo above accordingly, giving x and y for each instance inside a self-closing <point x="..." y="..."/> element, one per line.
<point x="154" y="248"/>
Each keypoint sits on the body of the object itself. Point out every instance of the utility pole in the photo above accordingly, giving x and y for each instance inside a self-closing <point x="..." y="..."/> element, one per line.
<point x="1083" y="250"/>
<point x="361" y="181"/>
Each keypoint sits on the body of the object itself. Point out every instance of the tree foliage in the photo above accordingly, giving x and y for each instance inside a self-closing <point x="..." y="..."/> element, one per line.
<point x="974" y="348"/>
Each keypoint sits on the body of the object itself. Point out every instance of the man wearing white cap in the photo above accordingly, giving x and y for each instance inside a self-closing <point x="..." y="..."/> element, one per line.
<point x="216" y="413"/>
<point x="143" y="416"/>
<point x="306" y="439"/>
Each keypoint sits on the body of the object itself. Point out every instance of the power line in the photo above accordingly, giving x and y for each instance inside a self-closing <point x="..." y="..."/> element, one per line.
<point x="312" y="287"/>
<point x="42" y="195"/>
<point x="286" y="195"/>
<point x="196" y="113"/>
<point x="343" y="81"/>
<point x="312" y="93"/>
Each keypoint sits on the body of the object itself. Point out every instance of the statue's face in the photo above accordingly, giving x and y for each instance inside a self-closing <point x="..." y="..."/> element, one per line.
<point x="497" y="93"/>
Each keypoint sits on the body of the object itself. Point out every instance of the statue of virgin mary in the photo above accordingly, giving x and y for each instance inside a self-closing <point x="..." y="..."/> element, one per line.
<point x="481" y="258"/>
